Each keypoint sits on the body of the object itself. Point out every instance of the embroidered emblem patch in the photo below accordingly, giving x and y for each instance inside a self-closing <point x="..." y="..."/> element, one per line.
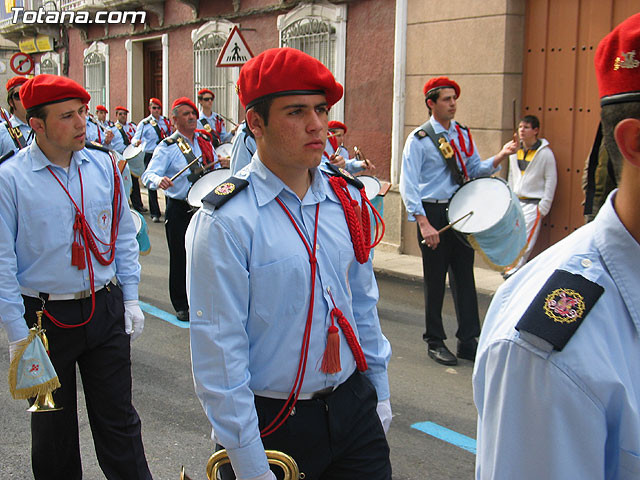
<point x="559" y="308"/>
<point x="225" y="188"/>
<point x="564" y="305"/>
<point x="626" y="61"/>
<point x="421" y="133"/>
<point x="104" y="219"/>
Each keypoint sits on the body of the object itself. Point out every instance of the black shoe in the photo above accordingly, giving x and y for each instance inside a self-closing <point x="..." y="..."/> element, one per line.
<point x="442" y="355"/>
<point x="140" y="209"/>
<point x="155" y="219"/>
<point x="467" y="350"/>
<point x="182" y="315"/>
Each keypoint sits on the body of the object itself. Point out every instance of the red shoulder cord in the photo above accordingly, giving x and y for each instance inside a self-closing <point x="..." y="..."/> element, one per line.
<point x="463" y="147"/>
<point x="277" y="422"/>
<point x="205" y="141"/>
<point x="358" y="220"/>
<point x="82" y="228"/>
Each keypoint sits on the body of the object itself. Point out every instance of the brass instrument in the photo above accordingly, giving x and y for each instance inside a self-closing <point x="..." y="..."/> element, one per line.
<point x="280" y="459"/>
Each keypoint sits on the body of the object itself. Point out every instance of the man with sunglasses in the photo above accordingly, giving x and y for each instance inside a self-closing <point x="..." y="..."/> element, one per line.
<point x="20" y="134"/>
<point x="210" y="120"/>
<point x="151" y="130"/>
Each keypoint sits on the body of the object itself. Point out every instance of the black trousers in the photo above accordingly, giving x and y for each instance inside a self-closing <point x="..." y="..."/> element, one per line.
<point x="136" y="198"/>
<point x="101" y="350"/>
<point x="177" y="218"/>
<point x="154" y="206"/>
<point x="337" y="437"/>
<point x="454" y="255"/>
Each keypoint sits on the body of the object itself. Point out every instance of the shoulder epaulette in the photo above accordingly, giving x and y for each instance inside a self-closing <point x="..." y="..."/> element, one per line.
<point x="145" y="120"/>
<point x="560" y="307"/>
<point x="462" y="126"/>
<point x="92" y="120"/>
<point x="171" y="139"/>
<point x="422" y="131"/>
<point x="224" y="191"/>
<point x="7" y="156"/>
<point x="341" y="172"/>
<point x="96" y="146"/>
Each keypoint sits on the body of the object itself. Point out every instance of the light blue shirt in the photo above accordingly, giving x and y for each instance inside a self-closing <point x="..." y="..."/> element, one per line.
<point x="573" y="413"/>
<point x="94" y="132"/>
<point x="243" y="148"/>
<point x="36" y="229"/>
<point x="351" y="165"/>
<point x="117" y="143"/>
<point x="146" y="133"/>
<point x="168" y="160"/>
<point x="425" y="174"/>
<point x="248" y="279"/>
<point x="6" y="142"/>
<point x="215" y="121"/>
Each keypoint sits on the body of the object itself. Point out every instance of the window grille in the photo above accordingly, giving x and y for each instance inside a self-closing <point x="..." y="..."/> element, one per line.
<point x="95" y="79"/>
<point x="206" y="75"/>
<point x="313" y="36"/>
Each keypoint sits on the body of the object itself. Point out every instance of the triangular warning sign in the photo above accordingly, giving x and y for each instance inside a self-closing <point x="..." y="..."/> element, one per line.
<point x="235" y="51"/>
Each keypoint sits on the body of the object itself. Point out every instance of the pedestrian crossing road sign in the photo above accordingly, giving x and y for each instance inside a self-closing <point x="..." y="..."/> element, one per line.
<point x="235" y="51"/>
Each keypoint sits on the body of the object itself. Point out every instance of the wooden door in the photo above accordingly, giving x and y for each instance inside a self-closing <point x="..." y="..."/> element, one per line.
<point x="152" y="70"/>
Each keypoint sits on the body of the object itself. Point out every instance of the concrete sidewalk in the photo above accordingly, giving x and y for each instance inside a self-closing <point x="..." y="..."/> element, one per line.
<point x="409" y="267"/>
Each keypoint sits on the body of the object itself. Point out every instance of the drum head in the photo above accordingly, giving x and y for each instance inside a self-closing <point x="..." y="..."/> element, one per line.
<point x="205" y="184"/>
<point x="488" y="199"/>
<point x="137" y="221"/>
<point x="371" y="185"/>
<point x="131" y="151"/>
<point x="224" y="150"/>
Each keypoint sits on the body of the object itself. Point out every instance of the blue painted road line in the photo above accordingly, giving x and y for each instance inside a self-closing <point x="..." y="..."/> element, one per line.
<point x="162" y="315"/>
<point x="449" y="436"/>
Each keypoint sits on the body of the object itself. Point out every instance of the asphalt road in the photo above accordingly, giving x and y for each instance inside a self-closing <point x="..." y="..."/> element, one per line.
<point x="176" y="431"/>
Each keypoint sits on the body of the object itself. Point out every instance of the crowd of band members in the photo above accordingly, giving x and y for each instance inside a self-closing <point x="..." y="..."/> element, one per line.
<point x="284" y="167"/>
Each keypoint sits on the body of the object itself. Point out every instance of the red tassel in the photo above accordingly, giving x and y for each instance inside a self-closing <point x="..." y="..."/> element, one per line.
<point x="77" y="256"/>
<point x="331" y="357"/>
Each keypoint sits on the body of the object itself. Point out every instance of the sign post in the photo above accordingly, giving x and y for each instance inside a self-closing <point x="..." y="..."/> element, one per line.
<point x="235" y="51"/>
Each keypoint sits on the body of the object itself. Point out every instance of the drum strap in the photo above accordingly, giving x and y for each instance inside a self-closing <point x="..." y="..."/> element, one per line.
<point x="439" y="141"/>
<point x="215" y="140"/>
<point x="16" y="136"/>
<point x="161" y="133"/>
<point x="125" y="137"/>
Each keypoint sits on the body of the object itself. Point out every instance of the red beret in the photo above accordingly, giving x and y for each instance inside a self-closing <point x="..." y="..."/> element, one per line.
<point x="102" y="108"/>
<point x="440" y="82"/>
<point x="617" y="68"/>
<point x="206" y="90"/>
<point x="333" y="124"/>
<point x="121" y="108"/>
<point x="285" y="71"/>
<point x="15" y="81"/>
<point x="184" y="101"/>
<point x="156" y="101"/>
<point x="44" y="89"/>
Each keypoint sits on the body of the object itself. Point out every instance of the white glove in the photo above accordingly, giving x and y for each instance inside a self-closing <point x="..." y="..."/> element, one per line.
<point x="133" y="319"/>
<point x="13" y="348"/>
<point x="384" y="413"/>
<point x="268" y="475"/>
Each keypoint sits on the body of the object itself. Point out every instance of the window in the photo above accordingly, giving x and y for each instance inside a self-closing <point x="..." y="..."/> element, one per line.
<point x="208" y="41"/>
<point x="96" y="74"/>
<point x="50" y="63"/>
<point x="318" y="29"/>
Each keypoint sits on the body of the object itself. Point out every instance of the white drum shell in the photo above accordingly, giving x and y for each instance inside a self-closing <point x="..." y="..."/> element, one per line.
<point x="371" y="185"/>
<point x="488" y="198"/>
<point x="205" y="184"/>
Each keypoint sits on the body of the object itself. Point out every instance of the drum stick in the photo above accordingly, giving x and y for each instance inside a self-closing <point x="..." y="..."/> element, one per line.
<point x="185" y="168"/>
<point x="228" y="120"/>
<point x="444" y="229"/>
<point x="361" y="156"/>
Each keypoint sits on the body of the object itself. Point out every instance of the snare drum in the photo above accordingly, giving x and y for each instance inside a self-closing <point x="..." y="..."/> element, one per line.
<point x="224" y="150"/>
<point x="135" y="158"/>
<point x="371" y="186"/>
<point x="205" y="184"/>
<point x="142" y="232"/>
<point x="496" y="229"/>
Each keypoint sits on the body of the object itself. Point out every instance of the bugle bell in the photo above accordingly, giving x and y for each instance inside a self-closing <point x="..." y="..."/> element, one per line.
<point x="44" y="403"/>
<point x="280" y="459"/>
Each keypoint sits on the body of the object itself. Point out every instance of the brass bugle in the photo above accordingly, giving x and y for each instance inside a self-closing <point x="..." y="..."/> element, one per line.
<point x="274" y="457"/>
<point x="44" y="403"/>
